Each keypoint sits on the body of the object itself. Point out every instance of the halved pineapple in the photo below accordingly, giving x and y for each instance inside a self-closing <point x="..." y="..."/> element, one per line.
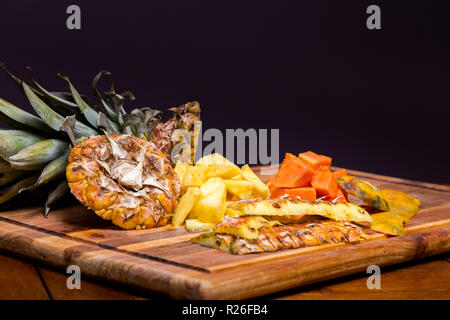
<point x="124" y="179"/>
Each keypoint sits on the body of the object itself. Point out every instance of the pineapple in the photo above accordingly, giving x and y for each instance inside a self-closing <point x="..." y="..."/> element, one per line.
<point x="185" y="205"/>
<point x="298" y="208"/>
<point x="259" y="187"/>
<point x="196" y="225"/>
<point x="282" y="237"/>
<point x="240" y="189"/>
<point x="124" y="179"/>
<point x="212" y="203"/>
<point x="35" y="151"/>
<point x="243" y="227"/>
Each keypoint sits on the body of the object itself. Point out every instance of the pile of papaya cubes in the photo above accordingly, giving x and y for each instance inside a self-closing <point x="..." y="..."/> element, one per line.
<point x="307" y="177"/>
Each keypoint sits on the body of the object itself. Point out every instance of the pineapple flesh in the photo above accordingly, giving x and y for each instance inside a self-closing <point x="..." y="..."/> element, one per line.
<point x="297" y="208"/>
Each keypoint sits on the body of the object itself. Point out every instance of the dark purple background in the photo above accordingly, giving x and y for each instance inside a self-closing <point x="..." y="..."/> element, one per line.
<point x="373" y="100"/>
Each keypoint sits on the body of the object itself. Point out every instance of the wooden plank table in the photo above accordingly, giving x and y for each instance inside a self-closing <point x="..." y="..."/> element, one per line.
<point x="428" y="278"/>
<point x="163" y="261"/>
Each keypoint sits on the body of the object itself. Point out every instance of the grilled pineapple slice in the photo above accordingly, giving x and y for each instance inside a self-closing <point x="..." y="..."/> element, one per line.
<point x="336" y="211"/>
<point x="244" y="227"/>
<point x="284" y="237"/>
<point x="213" y="240"/>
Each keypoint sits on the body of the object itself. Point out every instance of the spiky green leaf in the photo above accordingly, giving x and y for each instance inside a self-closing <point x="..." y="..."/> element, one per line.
<point x="16" y="79"/>
<point x="18" y="187"/>
<point x="55" y="195"/>
<point x="52" y="118"/>
<point x="11" y="177"/>
<point x="38" y="155"/>
<point x="12" y="141"/>
<point x="104" y="123"/>
<point x="89" y="114"/>
<point x="54" y="170"/>
<point x="104" y="106"/>
<point x="23" y="117"/>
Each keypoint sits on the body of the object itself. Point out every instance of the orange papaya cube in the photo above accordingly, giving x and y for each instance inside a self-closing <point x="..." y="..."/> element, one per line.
<point x="307" y="193"/>
<point x="340" y="173"/>
<point x="325" y="183"/>
<point x="340" y="197"/>
<point x="315" y="160"/>
<point x="293" y="173"/>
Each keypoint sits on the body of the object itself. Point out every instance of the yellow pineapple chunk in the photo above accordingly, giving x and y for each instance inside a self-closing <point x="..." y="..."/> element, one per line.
<point x="237" y="177"/>
<point x="193" y="177"/>
<point x="239" y="188"/>
<point x="259" y="187"/>
<point x="185" y="205"/>
<point x="218" y="166"/>
<point x="212" y="203"/>
<point x="180" y="169"/>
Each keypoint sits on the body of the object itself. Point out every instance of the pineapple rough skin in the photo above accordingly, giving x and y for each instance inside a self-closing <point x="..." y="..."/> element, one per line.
<point x="98" y="190"/>
<point x="185" y="117"/>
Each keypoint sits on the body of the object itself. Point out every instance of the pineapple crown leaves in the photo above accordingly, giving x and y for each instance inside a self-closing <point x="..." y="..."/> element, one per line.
<point x="63" y="117"/>
<point x="143" y="121"/>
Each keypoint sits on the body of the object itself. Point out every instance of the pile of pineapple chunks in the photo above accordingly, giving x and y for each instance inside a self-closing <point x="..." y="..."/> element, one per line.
<point x="208" y="186"/>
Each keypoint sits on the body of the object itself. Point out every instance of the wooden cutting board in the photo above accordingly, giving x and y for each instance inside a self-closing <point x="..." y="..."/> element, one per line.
<point x="163" y="261"/>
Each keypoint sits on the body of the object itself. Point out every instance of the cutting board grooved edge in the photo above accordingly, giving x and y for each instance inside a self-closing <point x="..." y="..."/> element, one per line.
<point x="103" y="246"/>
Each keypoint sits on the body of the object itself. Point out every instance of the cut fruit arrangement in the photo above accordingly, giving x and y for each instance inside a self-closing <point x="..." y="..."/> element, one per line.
<point x="305" y="204"/>
<point x="138" y="172"/>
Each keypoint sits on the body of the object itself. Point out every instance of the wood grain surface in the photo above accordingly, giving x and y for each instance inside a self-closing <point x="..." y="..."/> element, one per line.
<point x="163" y="261"/>
<point x="427" y="278"/>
